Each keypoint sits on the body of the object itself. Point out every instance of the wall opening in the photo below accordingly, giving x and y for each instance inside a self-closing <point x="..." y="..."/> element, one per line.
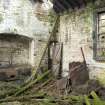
<point x="14" y="50"/>
<point x="15" y="55"/>
<point x="99" y="36"/>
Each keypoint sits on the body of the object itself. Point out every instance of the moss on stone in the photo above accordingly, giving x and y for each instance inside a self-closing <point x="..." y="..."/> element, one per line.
<point x="101" y="77"/>
<point x="1" y="18"/>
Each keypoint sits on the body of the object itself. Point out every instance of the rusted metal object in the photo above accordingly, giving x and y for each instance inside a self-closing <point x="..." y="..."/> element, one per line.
<point x="78" y="75"/>
<point x="78" y="72"/>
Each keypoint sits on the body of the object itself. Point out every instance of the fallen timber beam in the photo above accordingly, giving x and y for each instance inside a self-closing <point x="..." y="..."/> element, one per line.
<point x="35" y="69"/>
<point x="43" y="84"/>
<point x="11" y="92"/>
<point x="43" y="98"/>
<point x="80" y="100"/>
<point x="23" y="99"/>
<point x="31" y="83"/>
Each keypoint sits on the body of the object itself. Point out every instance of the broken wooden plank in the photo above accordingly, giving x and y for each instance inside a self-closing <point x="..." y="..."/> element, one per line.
<point x="31" y="83"/>
<point x="43" y="53"/>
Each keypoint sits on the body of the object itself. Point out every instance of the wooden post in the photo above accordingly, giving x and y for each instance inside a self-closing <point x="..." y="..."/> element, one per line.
<point x="61" y="60"/>
<point x="83" y="56"/>
<point x="49" y="59"/>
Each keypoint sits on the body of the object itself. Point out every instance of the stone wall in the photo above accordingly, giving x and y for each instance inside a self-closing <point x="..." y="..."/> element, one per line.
<point x="75" y="31"/>
<point x="18" y="16"/>
<point x="14" y="50"/>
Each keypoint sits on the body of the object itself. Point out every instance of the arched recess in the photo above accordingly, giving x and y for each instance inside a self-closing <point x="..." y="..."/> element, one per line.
<point x="16" y="50"/>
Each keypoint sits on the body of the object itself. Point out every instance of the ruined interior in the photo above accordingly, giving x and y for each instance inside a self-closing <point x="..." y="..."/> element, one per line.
<point x="14" y="50"/>
<point x="14" y="55"/>
<point x="52" y="52"/>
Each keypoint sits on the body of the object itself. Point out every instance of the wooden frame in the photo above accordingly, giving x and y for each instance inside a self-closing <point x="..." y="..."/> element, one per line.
<point x="95" y="34"/>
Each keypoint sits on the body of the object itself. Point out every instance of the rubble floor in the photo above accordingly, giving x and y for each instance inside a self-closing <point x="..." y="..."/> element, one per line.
<point x="52" y="89"/>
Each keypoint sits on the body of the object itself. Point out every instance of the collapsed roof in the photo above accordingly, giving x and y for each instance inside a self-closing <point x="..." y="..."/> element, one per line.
<point x="62" y="5"/>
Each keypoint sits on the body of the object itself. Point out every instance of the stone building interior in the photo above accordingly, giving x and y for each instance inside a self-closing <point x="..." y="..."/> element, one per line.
<point x="52" y="52"/>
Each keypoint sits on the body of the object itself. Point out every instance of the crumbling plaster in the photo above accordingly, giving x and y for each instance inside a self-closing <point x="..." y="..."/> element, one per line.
<point x="76" y="31"/>
<point x="18" y="16"/>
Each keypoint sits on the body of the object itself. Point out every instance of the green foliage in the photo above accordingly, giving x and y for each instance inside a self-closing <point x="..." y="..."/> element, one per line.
<point x="1" y="18"/>
<point x="51" y="17"/>
<point x="96" y="100"/>
<point x="103" y="53"/>
<point x="87" y="100"/>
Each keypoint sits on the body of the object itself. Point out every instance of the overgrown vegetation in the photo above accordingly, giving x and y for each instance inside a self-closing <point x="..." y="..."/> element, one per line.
<point x="38" y="93"/>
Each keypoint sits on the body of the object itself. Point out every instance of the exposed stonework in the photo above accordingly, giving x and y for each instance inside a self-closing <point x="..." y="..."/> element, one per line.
<point x="17" y="16"/>
<point x="14" y="50"/>
<point x="75" y="31"/>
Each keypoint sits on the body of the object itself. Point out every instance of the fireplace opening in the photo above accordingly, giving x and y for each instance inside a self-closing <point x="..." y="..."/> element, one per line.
<point x="15" y="55"/>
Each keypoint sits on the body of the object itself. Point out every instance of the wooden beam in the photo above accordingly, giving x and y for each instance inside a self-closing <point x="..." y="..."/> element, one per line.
<point x="70" y="4"/>
<point x="61" y="6"/>
<point x="92" y="1"/>
<point x="49" y="58"/>
<point x="56" y="9"/>
<point x="77" y="3"/>
<point x="73" y="5"/>
<point x="64" y="3"/>
<point x="61" y="61"/>
<point x="85" y="3"/>
<point x="40" y="1"/>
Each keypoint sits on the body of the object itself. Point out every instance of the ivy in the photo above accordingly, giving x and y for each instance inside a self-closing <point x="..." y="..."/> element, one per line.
<point x="1" y="18"/>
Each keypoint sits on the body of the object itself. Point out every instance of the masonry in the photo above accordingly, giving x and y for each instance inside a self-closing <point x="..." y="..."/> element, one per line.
<point x="20" y="30"/>
<point x="76" y="31"/>
<point x="14" y="50"/>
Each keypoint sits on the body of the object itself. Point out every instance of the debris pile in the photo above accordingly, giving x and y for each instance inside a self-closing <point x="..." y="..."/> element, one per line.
<point x="78" y="73"/>
<point x="44" y="90"/>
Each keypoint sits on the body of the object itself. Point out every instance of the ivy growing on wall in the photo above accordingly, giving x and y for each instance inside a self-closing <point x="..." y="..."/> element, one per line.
<point x="1" y="18"/>
<point x="51" y="17"/>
